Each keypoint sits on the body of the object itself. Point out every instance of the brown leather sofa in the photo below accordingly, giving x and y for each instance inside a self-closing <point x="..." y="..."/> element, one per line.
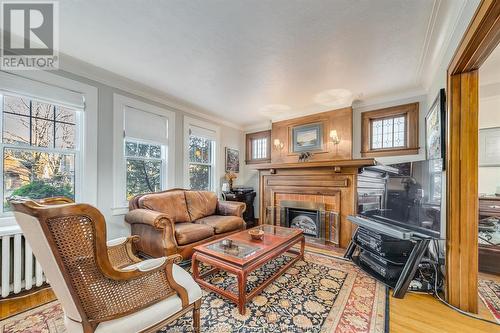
<point x="177" y="220"/>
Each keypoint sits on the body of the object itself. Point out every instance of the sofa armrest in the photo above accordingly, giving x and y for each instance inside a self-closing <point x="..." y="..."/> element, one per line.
<point x="231" y="208"/>
<point x="149" y="217"/>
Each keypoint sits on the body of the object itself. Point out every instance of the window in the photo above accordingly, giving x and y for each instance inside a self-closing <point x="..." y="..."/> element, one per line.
<point x="390" y="131"/>
<point x="200" y="155"/>
<point x="142" y="149"/>
<point x="258" y="147"/>
<point x="436" y="174"/>
<point x="145" y="165"/>
<point x="201" y="164"/>
<point x="40" y="148"/>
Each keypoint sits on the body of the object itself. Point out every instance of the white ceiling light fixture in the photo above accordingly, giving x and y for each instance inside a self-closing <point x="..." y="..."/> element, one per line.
<point x="334" y="98"/>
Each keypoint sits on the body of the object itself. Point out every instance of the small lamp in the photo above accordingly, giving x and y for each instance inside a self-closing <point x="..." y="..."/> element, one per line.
<point x="278" y="145"/>
<point x="334" y="136"/>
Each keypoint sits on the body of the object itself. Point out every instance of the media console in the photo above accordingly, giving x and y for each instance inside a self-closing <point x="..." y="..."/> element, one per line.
<point x="389" y="253"/>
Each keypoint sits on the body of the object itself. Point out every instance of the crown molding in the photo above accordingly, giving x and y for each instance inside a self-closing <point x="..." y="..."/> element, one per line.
<point x="77" y="67"/>
<point x="390" y="100"/>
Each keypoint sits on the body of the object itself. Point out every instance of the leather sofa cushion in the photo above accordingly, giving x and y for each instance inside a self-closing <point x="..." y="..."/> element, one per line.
<point x="222" y="224"/>
<point x="172" y="203"/>
<point x="200" y="204"/>
<point x="187" y="233"/>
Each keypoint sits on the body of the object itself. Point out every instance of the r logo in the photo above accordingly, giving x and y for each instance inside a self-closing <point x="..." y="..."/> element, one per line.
<point x="28" y="29"/>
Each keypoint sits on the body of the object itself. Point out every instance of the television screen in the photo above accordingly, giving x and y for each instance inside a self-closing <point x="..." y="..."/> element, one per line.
<point x="413" y="198"/>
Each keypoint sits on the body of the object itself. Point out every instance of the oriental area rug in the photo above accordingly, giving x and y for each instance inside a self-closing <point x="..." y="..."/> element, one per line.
<point x="489" y="292"/>
<point x="319" y="294"/>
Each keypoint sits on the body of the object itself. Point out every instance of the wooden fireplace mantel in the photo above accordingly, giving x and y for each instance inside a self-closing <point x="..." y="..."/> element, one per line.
<point x="330" y="182"/>
<point x="335" y="164"/>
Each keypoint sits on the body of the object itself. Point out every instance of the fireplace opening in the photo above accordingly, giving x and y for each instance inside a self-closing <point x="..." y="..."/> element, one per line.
<point x="305" y="219"/>
<point x="304" y="215"/>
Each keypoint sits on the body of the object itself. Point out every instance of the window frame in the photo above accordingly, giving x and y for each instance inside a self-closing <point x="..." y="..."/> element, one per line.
<point x="120" y="103"/>
<point x="188" y="124"/>
<point x="46" y="86"/>
<point x="76" y="151"/>
<point x="249" y="138"/>
<point x="411" y="114"/>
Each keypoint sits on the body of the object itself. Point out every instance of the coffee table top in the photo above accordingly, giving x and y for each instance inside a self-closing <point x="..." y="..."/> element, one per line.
<point x="245" y="250"/>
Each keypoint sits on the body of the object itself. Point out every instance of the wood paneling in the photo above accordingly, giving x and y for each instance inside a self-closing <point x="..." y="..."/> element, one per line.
<point x="409" y="111"/>
<point x="480" y="39"/>
<point x="462" y="205"/>
<point x="339" y="120"/>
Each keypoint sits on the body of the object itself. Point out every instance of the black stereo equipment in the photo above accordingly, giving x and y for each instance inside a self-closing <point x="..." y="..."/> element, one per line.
<point x="382" y="267"/>
<point x="383" y="245"/>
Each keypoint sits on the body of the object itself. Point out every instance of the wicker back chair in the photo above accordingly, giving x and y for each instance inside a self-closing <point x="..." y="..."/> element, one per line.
<point x="102" y="286"/>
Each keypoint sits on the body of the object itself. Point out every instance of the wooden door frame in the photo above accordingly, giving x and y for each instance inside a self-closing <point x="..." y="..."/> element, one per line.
<point x="480" y="39"/>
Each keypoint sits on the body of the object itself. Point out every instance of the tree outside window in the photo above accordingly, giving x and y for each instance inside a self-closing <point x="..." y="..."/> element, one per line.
<point x="144" y="165"/>
<point x="201" y="164"/>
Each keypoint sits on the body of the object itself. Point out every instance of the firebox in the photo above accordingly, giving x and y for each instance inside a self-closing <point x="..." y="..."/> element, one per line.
<point x="304" y="215"/>
<point x="307" y="220"/>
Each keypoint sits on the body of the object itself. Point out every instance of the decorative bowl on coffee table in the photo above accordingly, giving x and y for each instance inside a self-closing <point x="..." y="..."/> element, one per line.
<point x="256" y="234"/>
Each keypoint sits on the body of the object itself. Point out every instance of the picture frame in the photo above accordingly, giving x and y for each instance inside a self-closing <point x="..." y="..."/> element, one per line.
<point x="435" y="129"/>
<point x="489" y="147"/>
<point x="232" y="160"/>
<point x="307" y="137"/>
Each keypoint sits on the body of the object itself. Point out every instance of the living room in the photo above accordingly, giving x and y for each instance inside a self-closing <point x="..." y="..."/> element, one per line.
<point x="223" y="166"/>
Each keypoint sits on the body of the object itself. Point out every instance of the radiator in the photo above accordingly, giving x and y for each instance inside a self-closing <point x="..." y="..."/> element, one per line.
<point x="20" y="270"/>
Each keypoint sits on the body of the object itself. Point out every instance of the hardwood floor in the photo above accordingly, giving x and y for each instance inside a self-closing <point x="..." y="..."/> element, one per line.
<point x="419" y="313"/>
<point x="12" y="306"/>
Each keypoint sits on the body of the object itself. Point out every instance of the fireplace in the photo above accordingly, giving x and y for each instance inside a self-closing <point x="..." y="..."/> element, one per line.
<point x="308" y="216"/>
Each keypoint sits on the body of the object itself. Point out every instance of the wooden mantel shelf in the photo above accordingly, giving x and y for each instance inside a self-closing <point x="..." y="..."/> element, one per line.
<point x="358" y="163"/>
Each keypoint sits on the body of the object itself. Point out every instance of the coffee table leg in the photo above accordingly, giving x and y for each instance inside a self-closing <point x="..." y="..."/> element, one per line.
<point x="302" y="247"/>
<point x="195" y="267"/>
<point x="242" y="291"/>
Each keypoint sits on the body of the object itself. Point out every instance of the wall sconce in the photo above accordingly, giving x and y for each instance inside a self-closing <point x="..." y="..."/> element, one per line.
<point x="335" y="138"/>
<point x="278" y="145"/>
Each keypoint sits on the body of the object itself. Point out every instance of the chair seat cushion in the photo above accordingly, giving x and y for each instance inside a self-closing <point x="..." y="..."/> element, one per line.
<point x="150" y="316"/>
<point x="222" y="224"/>
<point x="187" y="233"/>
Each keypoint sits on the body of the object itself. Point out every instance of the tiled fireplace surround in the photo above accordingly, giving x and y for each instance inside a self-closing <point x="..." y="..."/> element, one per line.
<point x="321" y="184"/>
<point x="330" y="202"/>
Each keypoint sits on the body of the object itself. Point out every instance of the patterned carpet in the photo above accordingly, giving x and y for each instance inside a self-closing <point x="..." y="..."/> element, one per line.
<point x="320" y="294"/>
<point x="489" y="291"/>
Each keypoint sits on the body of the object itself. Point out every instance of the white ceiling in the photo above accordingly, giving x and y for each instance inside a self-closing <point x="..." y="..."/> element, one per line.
<point x="251" y="60"/>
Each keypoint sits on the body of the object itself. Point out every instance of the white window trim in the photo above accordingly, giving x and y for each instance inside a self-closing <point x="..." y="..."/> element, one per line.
<point x="119" y="171"/>
<point x="188" y="122"/>
<point x="35" y="83"/>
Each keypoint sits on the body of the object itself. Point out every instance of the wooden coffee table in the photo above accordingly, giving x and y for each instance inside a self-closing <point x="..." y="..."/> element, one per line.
<point x="247" y="256"/>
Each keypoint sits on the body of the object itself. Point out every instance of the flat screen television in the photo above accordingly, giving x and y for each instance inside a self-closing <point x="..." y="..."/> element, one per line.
<point x="413" y="198"/>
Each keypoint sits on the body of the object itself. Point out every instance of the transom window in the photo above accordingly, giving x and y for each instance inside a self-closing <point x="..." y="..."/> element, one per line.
<point x="145" y="165"/>
<point x="39" y="148"/>
<point x="258" y="147"/>
<point x="388" y="132"/>
<point x="201" y="162"/>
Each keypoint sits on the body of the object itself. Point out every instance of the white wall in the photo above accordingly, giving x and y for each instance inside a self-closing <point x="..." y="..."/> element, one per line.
<point x="231" y="137"/>
<point x="489" y="116"/>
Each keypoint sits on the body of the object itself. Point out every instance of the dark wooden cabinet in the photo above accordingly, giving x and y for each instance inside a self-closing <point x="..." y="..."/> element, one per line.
<point x="489" y="255"/>
<point x="247" y="196"/>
